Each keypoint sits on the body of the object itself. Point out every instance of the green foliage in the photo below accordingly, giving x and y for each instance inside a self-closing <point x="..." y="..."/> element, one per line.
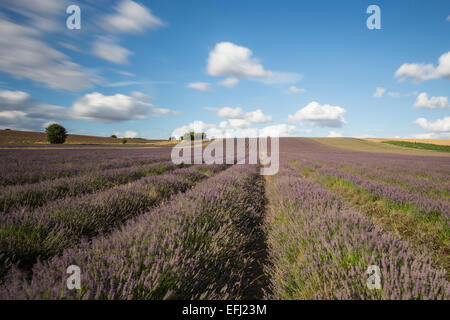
<point x="124" y="140"/>
<point x="194" y="136"/>
<point x="114" y="136"/>
<point x="419" y="145"/>
<point x="56" y="134"/>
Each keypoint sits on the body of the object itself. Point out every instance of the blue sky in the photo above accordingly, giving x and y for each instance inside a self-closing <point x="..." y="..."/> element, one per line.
<point x="293" y="68"/>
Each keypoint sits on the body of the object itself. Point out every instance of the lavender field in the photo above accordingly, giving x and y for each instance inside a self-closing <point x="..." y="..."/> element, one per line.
<point x="139" y="226"/>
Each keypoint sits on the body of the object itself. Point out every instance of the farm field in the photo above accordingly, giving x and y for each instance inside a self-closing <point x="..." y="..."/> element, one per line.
<point x="140" y="227"/>
<point x="442" y="142"/>
<point x="23" y="138"/>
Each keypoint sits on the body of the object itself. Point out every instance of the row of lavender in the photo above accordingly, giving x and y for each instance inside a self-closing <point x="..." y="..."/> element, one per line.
<point x="320" y="250"/>
<point x="430" y="167"/>
<point x="393" y="193"/>
<point x="44" y="232"/>
<point x="422" y="185"/>
<point x="196" y="246"/>
<point x="37" y="194"/>
<point x="398" y="178"/>
<point x="435" y="168"/>
<point x="31" y="166"/>
<point x="436" y="188"/>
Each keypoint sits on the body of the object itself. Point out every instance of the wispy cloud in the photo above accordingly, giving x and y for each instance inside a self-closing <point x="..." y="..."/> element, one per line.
<point x="131" y="17"/>
<point x="23" y="54"/>
<point x="379" y="92"/>
<point x="110" y="51"/>
<point x="201" y="86"/>
<point x="294" y="89"/>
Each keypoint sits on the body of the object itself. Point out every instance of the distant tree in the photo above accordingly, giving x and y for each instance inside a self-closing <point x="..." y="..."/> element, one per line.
<point x="194" y="136"/>
<point x="124" y="140"/>
<point x="7" y="129"/>
<point x="56" y="133"/>
<point x="114" y="136"/>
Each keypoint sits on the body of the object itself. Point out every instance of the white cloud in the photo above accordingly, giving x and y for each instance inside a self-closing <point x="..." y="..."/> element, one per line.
<point x="131" y="17"/>
<point x="14" y="100"/>
<point x="236" y="123"/>
<point x="294" y="89"/>
<point x="438" y="126"/>
<point x="448" y="18"/>
<point x="422" y="72"/>
<point x="202" y="86"/>
<point x="231" y="113"/>
<point x="126" y="134"/>
<point x="197" y="126"/>
<point x="20" y="111"/>
<point x="19" y="120"/>
<point x="424" y="102"/>
<point x="334" y="134"/>
<point x="282" y="130"/>
<point x="379" y="92"/>
<point x="109" y="51"/>
<point x="24" y="55"/>
<point x="97" y="107"/>
<point x="47" y="111"/>
<point x="130" y="134"/>
<point x="229" y="82"/>
<point x="320" y="115"/>
<point x="229" y="59"/>
<point x="227" y="129"/>
<point x="256" y="116"/>
<point x="431" y="135"/>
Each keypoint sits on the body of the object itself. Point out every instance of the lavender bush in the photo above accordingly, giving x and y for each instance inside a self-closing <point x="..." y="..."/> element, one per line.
<point x="197" y="246"/>
<point x="321" y="250"/>
<point x="46" y="231"/>
<point x="33" y="195"/>
<point x="20" y="166"/>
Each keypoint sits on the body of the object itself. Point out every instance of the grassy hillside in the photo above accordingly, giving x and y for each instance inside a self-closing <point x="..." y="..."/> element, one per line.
<point x="443" y="142"/>
<point x="419" y="145"/>
<point x="14" y="137"/>
<point x="370" y="146"/>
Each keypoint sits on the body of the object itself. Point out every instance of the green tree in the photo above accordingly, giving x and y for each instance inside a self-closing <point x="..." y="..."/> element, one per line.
<point x="124" y="140"/>
<point x="194" y="136"/>
<point x="56" y="133"/>
<point x="114" y="136"/>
